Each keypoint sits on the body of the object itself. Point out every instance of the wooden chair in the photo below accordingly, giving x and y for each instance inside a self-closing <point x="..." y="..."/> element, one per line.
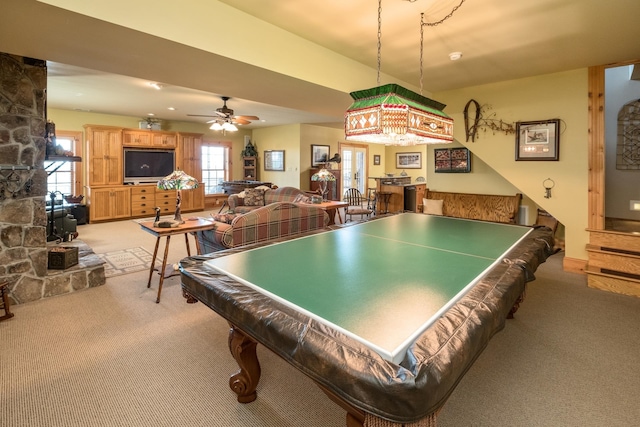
<point x="355" y="201"/>
<point x="544" y="218"/>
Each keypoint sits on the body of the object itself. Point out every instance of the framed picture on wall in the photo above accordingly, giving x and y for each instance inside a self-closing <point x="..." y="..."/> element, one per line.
<point x="274" y="160"/>
<point x="376" y="159"/>
<point x="408" y="160"/>
<point x="449" y="160"/>
<point x="319" y="155"/>
<point x="538" y="140"/>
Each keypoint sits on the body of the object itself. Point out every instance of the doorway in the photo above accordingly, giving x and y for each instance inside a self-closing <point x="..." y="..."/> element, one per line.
<point x="354" y="166"/>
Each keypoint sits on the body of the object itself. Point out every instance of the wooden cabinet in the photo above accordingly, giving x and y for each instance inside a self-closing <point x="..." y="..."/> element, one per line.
<point x="189" y="159"/>
<point x="109" y="199"/>
<point x="136" y="138"/>
<point x="334" y="190"/>
<point x="143" y="200"/>
<point x="166" y="201"/>
<point x="250" y="168"/>
<point x="104" y="155"/>
<point x="163" y="140"/>
<point x="108" y="203"/>
<point x="148" y="138"/>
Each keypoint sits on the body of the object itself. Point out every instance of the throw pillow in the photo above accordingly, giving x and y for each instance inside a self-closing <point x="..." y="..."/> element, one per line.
<point x="253" y="197"/>
<point x="432" y="206"/>
<point x="225" y="217"/>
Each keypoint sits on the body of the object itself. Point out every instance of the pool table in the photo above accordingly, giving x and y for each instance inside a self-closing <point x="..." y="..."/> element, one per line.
<point x="385" y="316"/>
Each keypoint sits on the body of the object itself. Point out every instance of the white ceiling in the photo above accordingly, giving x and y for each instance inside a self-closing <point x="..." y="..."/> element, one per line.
<point x="499" y="40"/>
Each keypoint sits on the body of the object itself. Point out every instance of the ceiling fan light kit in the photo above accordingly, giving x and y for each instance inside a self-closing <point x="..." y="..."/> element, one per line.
<point x="224" y="119"/>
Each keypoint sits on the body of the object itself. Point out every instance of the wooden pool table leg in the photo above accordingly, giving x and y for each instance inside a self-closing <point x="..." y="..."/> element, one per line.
<point x="244" y="382"/>
<point x="355" y="416"/>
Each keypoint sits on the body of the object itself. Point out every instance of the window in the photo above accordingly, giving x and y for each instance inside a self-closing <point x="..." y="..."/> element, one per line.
<point x="66" y="178"/>
<point x="215" y="166"/>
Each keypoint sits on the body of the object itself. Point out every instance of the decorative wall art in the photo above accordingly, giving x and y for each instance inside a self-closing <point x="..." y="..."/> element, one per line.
<point x="274" y="160"/>
<point x="376" y="159"/>
<point x="408" y="160"/>
<point x="452" y="160"/>
<point x="319" y="155"/>
<point x="538" y="140"/>
<point x="628" y="144"/>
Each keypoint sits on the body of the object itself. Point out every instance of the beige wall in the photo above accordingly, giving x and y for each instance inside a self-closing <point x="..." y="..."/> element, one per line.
<point x="559" y="95"/>
<point x="285" y="138"/>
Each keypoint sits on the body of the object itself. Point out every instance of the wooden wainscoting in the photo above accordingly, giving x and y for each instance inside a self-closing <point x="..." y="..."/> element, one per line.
<point x="614" y="262"/>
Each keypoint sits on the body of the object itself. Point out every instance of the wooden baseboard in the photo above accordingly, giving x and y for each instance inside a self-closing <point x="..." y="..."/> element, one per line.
<point x="574" y="265"/>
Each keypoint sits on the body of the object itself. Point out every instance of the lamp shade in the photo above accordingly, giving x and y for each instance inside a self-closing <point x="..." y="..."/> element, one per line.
<point x="393" y="115"/>
<point x="178" y="180"/>
<point x="323" y="175"/>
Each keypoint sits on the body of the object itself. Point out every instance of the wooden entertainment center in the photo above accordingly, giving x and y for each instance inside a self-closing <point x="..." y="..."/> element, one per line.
<point x="107" y="196"/>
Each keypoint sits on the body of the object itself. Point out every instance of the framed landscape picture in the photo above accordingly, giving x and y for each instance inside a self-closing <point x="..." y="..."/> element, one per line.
<point x="538" y="140"/>
<point x="408" y="160"/>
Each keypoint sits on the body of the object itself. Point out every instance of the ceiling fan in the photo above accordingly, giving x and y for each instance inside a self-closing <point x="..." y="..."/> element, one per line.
<point x="224" y="115"/>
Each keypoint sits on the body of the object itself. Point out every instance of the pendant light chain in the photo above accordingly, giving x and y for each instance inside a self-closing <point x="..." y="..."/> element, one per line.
<point x="379" y="37"/>
<point x="422" y="25"/>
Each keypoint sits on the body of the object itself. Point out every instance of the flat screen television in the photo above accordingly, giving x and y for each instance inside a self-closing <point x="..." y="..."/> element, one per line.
<point x="144" y="166"/>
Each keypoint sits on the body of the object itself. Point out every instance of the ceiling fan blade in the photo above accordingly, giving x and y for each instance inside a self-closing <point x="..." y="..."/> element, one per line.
<point x="240" y="121"/>
<point x="248" y="117"/>
<point x="213" y="121"/>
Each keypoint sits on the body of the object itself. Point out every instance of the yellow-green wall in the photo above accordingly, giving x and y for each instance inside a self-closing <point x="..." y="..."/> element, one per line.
<point x="560" y="95"/>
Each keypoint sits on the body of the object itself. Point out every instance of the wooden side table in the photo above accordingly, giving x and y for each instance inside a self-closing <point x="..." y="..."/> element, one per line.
<point x="188" y="227"/>
<point x="4" y="301"/>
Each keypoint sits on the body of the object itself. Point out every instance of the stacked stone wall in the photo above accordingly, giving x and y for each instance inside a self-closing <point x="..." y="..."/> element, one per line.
<point x="23" y="187"/>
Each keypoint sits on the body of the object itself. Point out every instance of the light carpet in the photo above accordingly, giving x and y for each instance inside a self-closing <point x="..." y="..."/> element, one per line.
<point x="125" y="261"/>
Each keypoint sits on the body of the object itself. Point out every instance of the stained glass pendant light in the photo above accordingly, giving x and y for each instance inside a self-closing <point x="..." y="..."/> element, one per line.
<point x="393" y="115"/>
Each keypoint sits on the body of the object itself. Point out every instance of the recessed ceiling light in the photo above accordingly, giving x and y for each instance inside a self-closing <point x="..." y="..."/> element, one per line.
<point x="150" y="114"/>
<point x="171" y="108"/>
<point x="156" y="86"/>
<point x="454" y="56"/>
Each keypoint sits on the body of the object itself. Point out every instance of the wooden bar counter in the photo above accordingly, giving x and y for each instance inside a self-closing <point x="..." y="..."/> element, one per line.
<point x="396" y="186"/>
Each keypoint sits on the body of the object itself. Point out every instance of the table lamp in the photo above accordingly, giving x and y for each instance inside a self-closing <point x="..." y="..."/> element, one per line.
<point x="178" y="180"/>
<point x="323" y="176"/>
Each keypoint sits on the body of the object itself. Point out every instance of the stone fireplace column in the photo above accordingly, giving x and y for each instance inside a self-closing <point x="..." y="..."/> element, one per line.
<point x="23" y="186"/>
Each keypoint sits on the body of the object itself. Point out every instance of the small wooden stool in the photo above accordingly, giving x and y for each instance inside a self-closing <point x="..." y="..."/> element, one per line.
<point x="4" y="301"/>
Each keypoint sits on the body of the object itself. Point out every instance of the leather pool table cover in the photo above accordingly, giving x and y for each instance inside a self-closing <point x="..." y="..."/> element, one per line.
<point x="420" y="382"/>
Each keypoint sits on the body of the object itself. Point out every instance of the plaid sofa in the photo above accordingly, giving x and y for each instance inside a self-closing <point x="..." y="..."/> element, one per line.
<point x="274" y="221"/>
<point x="283" y="194"/>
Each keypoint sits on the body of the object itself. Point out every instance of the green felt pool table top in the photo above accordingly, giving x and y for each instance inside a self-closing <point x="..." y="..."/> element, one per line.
<point x="382" y="282"/>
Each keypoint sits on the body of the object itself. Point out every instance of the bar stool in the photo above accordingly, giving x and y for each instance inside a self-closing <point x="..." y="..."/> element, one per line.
<point x="384" y="197"/>
<point x="371" y="199"/>
<point x="4" y="301"/>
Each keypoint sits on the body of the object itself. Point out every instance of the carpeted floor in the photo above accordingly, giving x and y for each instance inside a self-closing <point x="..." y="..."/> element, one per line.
<point x="111" y="356"/>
